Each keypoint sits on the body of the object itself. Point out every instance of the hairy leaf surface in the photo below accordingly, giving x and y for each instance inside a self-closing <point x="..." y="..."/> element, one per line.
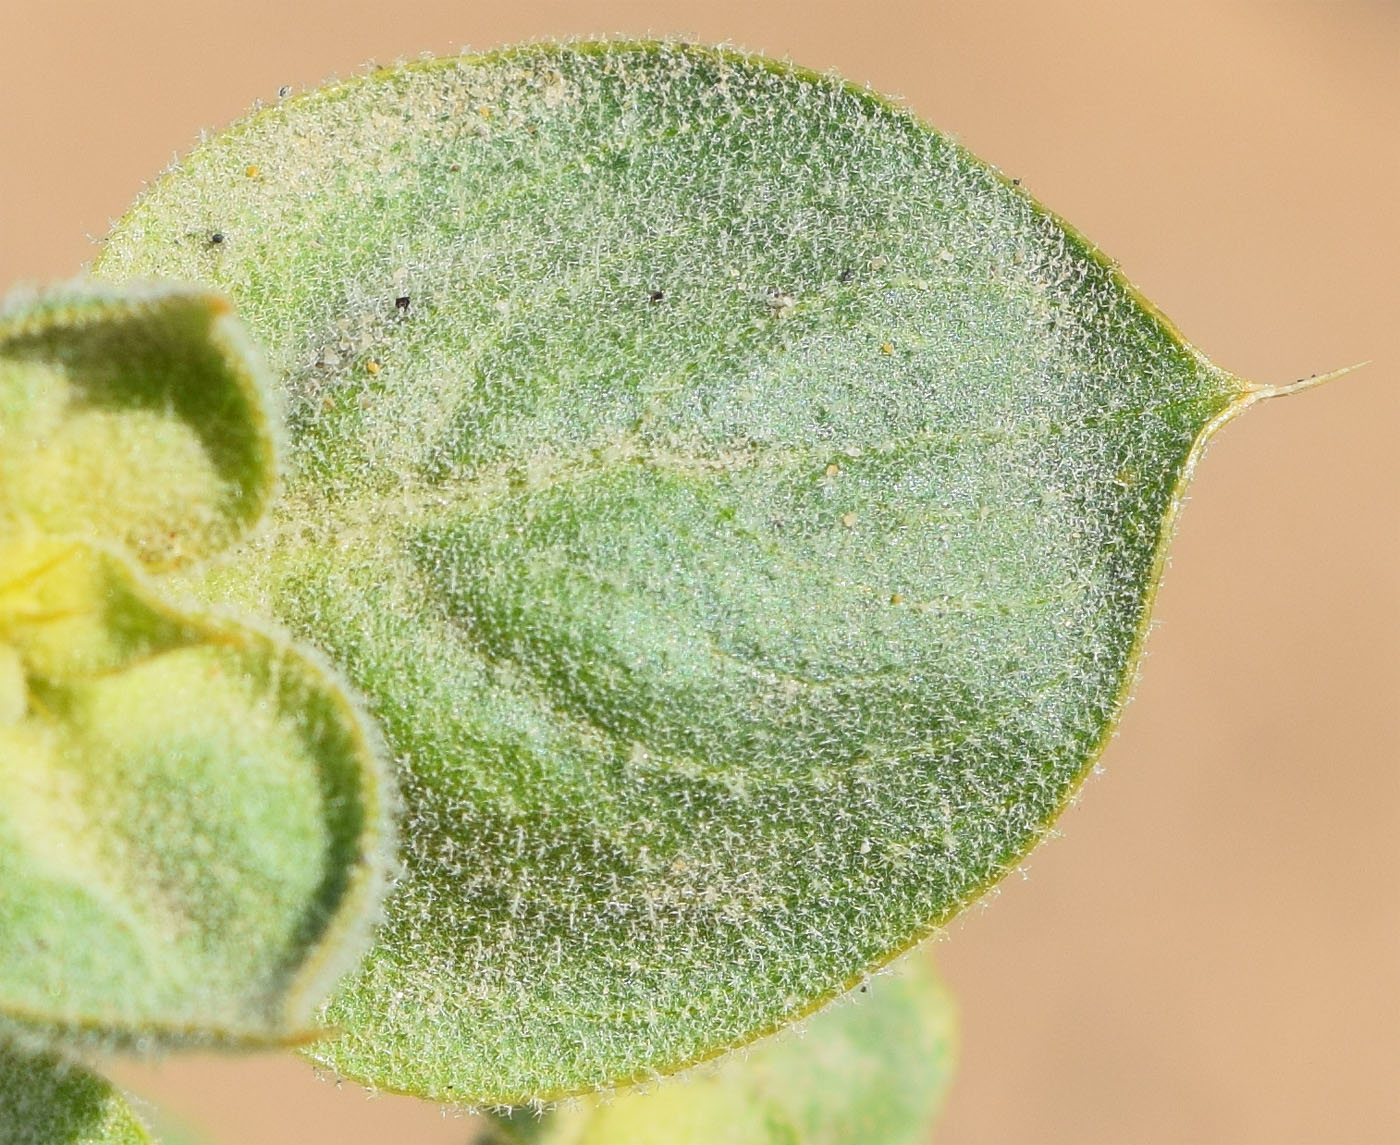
<point x="45" y="1100"/>
<point x="190" y="822"/>
<point x="192" y="830"/>
<point x="138" y="417"/>
<point x="874" y="1069"/>
<point x="739" y="504"/>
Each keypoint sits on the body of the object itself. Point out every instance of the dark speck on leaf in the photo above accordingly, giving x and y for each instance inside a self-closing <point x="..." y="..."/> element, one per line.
<point x="656" y="296"/>
<point x="863" y="989"/>
<point x="846" y="275"/>
<point x="1015" y="182"/>
<point x="402" y="301"/>
<point x="217" y="237"/>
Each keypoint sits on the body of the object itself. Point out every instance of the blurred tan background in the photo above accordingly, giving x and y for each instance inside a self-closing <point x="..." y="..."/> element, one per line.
<point x="1211" y="951"/>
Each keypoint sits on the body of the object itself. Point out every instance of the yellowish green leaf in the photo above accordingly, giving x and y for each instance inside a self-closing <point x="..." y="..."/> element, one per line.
<point x="45" y="1100"/>
<point x="873" y="1068"/>
<point x="137" y="416"/>
<point x="191" y="813"/>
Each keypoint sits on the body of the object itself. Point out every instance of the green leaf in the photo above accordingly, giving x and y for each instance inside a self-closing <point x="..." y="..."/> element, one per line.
<point x="738" y="503"/>
<point x="45" y="1100"/>
<point x="192" y="837"/>
<point x="191" y="830"/>
<point x="874" y="1070"/>
<point x="137" y="416"/>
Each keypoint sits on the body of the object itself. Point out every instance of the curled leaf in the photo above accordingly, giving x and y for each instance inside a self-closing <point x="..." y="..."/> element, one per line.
<point x="739" y="504"/>
<point x="137" y="416"/>
<point x="191" y="836"/>
<point x="874" y="1069"/>
<point x="45" y="1100"/>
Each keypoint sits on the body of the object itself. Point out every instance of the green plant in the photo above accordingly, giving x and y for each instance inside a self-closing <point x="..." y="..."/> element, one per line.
<point x="737" y="507"/>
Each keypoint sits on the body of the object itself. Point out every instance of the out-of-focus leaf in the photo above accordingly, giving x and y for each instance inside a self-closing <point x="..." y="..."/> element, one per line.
<point x="740" y="506"/>
<point x="192" y="829"/>
<point x="873" y="1069"/>
<point x="45" y="1100"/>
<point x="191" y="836"/>
<point x="136" y="416"/>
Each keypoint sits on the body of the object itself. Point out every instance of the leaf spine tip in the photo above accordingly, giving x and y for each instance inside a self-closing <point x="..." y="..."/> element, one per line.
<point x="1258" y="391"/>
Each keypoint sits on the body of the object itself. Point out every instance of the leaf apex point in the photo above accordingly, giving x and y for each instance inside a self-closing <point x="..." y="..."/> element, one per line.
<point x="1308" y="383"/>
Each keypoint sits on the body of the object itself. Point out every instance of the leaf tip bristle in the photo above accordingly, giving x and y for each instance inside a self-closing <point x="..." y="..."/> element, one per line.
<point x="1305" y="383"/>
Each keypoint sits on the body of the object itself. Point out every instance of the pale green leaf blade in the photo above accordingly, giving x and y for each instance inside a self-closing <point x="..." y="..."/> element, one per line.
<point x="45" y="1100"/>
<point x="137" y="416"/>
<point x="874" y="1068"/>
<point x="192" y="829"/>
<point x="739" y="505"/>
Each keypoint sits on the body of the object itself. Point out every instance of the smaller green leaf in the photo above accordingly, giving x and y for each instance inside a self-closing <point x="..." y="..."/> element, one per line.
<point x="191" y="813"/>
<point x="136" y="416"/>
<point x="45" y="1100"/>
<point x="875" y="1072"/>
